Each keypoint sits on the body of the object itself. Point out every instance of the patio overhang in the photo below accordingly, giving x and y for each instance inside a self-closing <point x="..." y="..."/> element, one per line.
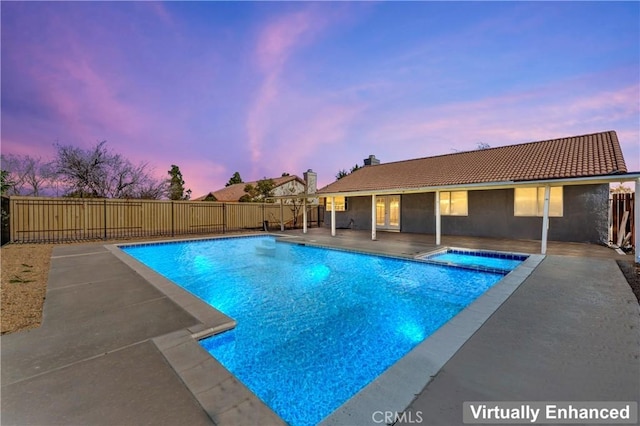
<point x="307" y="200"/>
<point x="436" y="189"/>
<point x="301" y="197"/>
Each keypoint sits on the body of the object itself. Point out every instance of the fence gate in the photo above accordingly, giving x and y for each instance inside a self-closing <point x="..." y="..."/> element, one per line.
<point x="622" y="219"/>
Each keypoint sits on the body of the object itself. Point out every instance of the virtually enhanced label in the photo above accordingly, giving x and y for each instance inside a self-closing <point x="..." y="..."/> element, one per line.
<point x="550" y="412"/>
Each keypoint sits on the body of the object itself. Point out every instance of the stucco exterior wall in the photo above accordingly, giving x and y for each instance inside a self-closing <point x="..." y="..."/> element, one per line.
<point x="491" y="215"/>
<point x="356" y="216"/>
<point x="289" y="188"/>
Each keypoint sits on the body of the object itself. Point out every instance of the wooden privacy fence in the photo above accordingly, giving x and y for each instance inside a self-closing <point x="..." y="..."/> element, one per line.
<point x="35" y="219"/>
<point x="622" y="219"/>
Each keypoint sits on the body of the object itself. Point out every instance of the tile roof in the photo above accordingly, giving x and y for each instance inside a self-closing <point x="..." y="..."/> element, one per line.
<point x="575" y="156"/>
<point x="236" y="191"/>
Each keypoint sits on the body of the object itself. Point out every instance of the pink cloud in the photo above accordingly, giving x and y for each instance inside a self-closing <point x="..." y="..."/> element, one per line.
<point x="281" y="37"/>
<point x="76" y="96"/>
<point x="19" y="147"/>
<point x="305" y="141"/>
<point x="608" y="105"/>
<point x="93" y="105"/>
<point x="258" y="117"/>
<point x="278" y="40"/>
<point x="159" y="9"/>
<point x="203" y="176"/>
<point x="508" y="119"/>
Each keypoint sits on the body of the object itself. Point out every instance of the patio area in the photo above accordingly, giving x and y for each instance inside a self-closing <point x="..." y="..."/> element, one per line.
<point x="407" y="244"/>
<point x="111" y="333"/>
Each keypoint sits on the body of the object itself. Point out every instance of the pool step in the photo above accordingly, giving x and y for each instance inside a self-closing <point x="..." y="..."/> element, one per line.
<point x="266" y="248"/>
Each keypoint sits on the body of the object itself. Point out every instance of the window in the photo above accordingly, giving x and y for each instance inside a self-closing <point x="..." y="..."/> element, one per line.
<point x="530" y="201"/>
<point x="453" y="203"/>
<point x="341" y="204"/>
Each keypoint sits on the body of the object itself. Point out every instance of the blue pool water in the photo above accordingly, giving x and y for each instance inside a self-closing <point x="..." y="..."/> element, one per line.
<point x="314" y="326"/>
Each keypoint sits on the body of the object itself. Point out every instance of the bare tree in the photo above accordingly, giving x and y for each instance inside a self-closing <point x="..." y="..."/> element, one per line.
<point x="30" y="175"/>
<point x="151" y="189"/>
<point x="98" y="172"/>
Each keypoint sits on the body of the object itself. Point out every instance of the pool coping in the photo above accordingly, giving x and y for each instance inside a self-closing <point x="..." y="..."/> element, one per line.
<point x="428" y="257"/>
<point x="395" y="389"/>
<point x="221" y="395"/>
<point x="219" y="392"/>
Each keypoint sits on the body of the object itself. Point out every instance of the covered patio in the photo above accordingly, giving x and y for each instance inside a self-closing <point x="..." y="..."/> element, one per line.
<point x="406" y="244"/>
<point x="543" y="245"/>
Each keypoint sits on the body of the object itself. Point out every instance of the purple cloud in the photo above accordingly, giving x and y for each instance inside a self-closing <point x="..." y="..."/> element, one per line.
<point x="265" y="88"/>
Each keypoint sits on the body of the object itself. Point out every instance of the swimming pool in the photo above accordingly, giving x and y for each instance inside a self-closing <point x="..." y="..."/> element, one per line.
<point x="314" y="325"/>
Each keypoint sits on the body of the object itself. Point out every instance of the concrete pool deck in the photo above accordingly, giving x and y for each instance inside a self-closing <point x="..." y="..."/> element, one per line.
<point x="102" y="355"/>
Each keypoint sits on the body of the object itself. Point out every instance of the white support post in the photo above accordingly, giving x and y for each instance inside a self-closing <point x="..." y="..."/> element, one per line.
<point x="545" y="219"/>
<point x="281" y="215"/>
<point x="437" y="206"/>
<point x="333" y="216"/>
<point x="304" y="215"/>
<point x="636" y="214"/>
<point x="374" y="219"/>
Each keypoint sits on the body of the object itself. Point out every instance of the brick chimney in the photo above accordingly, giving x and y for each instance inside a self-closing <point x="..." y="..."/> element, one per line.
<point x="311" y="181"/>
<point x="371" y="161"/>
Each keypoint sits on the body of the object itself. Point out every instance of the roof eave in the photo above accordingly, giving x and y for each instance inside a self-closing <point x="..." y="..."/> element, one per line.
<point x="587" y="180"/>
<point x="293" y="196"/>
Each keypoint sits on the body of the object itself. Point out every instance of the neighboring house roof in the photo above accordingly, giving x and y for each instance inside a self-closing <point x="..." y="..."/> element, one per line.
<point x="236" y="191"/>
<point x="576" y="156"/>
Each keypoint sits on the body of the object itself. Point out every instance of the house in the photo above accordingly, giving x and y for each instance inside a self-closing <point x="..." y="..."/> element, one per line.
<point x="549" y="190"/>
<point x="283" y="186"/>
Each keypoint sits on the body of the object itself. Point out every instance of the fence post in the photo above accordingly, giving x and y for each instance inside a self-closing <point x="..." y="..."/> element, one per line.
<point x="173" y="226"/>
<point x="224" y="218"/>
<point x="104" y="209"/>
<point x="12" y="221"/>
<point x="636" y="225"/>
<point x="281" y="215"/>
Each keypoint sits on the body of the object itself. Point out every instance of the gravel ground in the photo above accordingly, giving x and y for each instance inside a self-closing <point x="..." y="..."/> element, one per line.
<point x="631" y="272"/>
<point x="25" y="268"/>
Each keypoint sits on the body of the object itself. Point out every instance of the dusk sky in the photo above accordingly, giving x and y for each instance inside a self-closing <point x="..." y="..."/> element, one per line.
<point x="271" y="87"/>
